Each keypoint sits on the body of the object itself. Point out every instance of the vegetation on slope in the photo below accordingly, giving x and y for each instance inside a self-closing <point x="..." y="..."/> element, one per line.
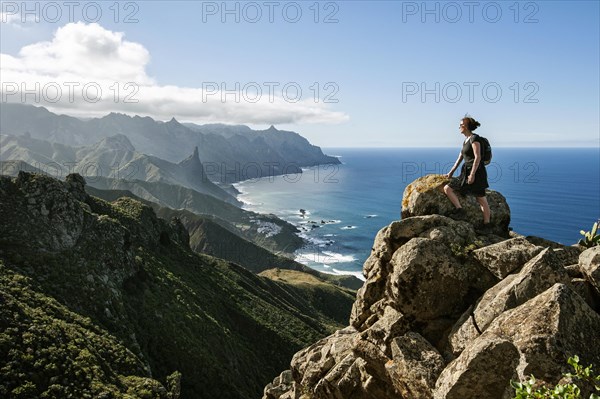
<point x="134" y="276"/>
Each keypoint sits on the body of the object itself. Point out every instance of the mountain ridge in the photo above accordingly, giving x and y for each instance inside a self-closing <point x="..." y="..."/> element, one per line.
<point x="232" y="157"/>
<point x="112" y="157"/>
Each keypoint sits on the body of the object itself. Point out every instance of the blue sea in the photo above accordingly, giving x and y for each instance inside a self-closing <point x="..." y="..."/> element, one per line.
<point x="552" y="193"/>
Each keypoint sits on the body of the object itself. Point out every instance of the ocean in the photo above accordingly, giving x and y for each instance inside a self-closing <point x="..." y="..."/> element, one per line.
<point x="552" y="193"/>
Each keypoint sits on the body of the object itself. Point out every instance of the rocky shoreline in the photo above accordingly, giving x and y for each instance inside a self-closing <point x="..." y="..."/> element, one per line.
<point x="449" y="313"/>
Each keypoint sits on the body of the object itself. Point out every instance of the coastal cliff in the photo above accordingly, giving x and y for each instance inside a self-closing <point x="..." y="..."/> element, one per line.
<point x="446" y="312"/>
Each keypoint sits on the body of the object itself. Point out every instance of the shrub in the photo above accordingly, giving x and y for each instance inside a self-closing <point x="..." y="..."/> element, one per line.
<point x="585" y="375"/>
<point x="590" y="238"/>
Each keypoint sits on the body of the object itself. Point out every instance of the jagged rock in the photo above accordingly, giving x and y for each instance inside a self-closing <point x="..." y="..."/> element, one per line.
<point x="539" y="274"/>
<point x="281" y="385"/>
<point x="415" y="366"/>
<point x="436" y="233"/>
<point x="402" y="231"/>
<point x="392" y="324"/>
<point x="589" y="263"/>
<point x="547" y="330"/>
<point x="566" y="255"/>
<point x="343" y="365"/>
<point x="585" y="290"/>
<point x="483" y="370"/>
<point x="180" y="233"/>
<point x="376" y="382"/>
<point x="424" y="196"/>
<point x="351" y="378"/>
<point x="574" y="271"/>
<point x="506" y="256"/>
<point x="313" y="363"/>
<point x="76" y="185"/>
<point x="60" y="219"/>
<point x="428" y="282"/>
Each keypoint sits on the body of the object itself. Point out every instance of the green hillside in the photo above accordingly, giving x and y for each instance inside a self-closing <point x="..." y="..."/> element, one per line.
<point x="133" y="280"/>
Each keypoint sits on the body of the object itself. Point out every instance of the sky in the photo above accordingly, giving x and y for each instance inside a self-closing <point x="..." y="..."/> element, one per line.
<point x="340" y="73"/>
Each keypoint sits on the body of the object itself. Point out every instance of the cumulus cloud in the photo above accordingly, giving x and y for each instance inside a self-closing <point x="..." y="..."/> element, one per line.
<point x="88" y="70"/>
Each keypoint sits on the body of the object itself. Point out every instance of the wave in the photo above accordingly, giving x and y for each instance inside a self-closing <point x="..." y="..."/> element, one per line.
<point x="337" y="272"/>
<point x="315" y="241"/>
<point x="348" y="227"/>
<point x="337" y="257"/>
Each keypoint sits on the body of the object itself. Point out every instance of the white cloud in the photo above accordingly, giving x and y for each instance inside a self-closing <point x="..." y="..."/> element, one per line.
<point x="9" y="18"/>
<point x="88" y="70"/>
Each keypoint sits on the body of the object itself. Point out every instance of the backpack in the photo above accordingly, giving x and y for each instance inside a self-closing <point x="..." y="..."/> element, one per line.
<point x="486" y="149"/>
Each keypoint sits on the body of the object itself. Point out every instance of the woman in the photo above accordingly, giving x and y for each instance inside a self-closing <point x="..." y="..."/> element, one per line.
<point x="473" y="176"/>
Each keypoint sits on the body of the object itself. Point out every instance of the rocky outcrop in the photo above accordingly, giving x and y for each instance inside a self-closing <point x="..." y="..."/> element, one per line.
<point x="425" y="196"/>
<point x="447" y="312"/>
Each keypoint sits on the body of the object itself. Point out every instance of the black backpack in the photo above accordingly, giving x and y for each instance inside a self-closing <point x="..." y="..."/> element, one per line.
<point x="486" y="149"/>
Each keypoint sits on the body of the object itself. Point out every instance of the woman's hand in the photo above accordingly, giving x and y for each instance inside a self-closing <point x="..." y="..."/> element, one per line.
<point x="470" y="179"/>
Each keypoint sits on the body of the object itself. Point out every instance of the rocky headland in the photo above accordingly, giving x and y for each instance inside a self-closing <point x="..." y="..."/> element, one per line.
<point x="446" y="312"/>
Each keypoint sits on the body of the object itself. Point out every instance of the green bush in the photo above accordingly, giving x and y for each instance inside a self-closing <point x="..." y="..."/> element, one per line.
<point x="590" y="238"/>
<point x="528" y="389"/>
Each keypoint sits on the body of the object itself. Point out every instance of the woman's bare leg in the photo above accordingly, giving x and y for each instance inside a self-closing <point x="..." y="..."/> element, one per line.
<point x="452" y="196"/>
<point x="485" y="208"/>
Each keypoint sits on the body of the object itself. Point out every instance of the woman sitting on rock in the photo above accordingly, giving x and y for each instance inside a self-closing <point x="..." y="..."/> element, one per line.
<point x="473" y="176"/>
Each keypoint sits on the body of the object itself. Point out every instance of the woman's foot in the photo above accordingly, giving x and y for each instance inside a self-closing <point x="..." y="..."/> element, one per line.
<point x="485" y="229"/>
<point x="458" y="214"/>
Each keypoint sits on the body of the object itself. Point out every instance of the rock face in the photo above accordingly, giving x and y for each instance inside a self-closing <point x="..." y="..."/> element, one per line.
<point x="446" y="312"/>
<point x="589" y="263"/>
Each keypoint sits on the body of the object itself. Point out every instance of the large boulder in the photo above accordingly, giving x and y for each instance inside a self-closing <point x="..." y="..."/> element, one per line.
<point x="421" y="255"/>
<point x="313" y="363"/>
<point x="415" y="366"/>
<point x="428" y="281"/>
<point x="566" y="254"/>
<point x="589" y="264"/>
<point x="535" y="338"/>
<point x="484" y="370"/>
<point x="425" y="196"/>
<point x="281" y="385"/>
<point x="549" y="329"/>
<point x="343" y="365"/>
<point x="539" y="274"/>
<point x="506" y="256"/>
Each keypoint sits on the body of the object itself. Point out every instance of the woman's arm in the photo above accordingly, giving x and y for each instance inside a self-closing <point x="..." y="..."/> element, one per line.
<point x="476" y="150"/>
<point x="458" y="161"/>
